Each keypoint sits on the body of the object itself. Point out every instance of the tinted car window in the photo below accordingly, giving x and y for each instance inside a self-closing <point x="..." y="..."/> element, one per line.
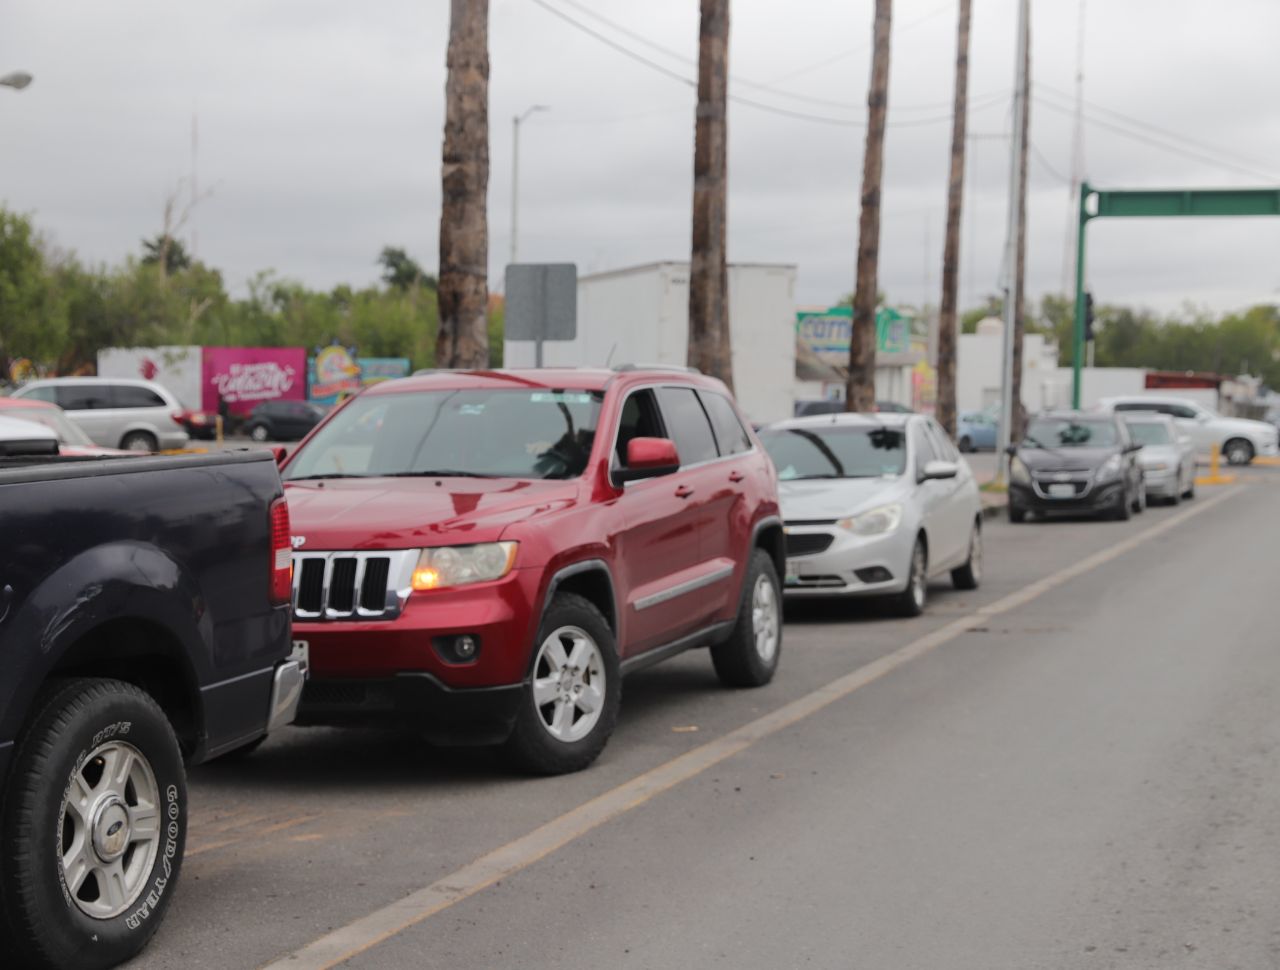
<point x="835" y="452"/>
<point x="687" y="424"/>
<point x="129" y="396"/>
<point x="82" y="397"/>
<point x="1180" y="411"/>
<point x="639" y="420"/>
<point x="731" y="436"/>
<point x="1149" y="433"/>
<point x="942" y="445"/>
<point x="925" y="452"/>
<point x="45" y="393"/>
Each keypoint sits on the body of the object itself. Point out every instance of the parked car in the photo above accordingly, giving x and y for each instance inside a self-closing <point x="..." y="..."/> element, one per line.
<point x="144" y="623"/>
<point x="283" y="420"/>
<point x="1075" y="461"/>
<point x="116" y="413"/>
<point x="875" y="505"/>
<point x="201" y="425"/>
<point x="976" y="431"/>
<point x="804" y="409"/>
<point x="482" y="555"/>
<point x="1167" y="458"/>
<point x="1240" y="439"/>
<point x="71" y="438"/>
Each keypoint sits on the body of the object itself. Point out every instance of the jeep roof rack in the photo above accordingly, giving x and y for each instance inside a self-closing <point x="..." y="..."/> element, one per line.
<point x="677" y="368"/>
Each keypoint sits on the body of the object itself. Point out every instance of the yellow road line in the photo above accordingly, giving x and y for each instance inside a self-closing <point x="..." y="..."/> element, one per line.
<point x="367" y="932"/>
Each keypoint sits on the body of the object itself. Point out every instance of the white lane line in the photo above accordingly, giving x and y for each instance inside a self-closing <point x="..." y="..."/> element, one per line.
<point x="367" y="932"/>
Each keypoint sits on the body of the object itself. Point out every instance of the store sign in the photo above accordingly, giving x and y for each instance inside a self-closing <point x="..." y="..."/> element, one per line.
<point x="827" y="333"/>
<point x="246" y="376"/>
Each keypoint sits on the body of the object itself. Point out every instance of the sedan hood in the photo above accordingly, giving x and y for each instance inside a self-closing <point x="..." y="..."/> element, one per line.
<point x="1064" y="459"/>
<point x="408" y="513"/>
<point x="1244" y="426"/>
<point x="834" y="498"/>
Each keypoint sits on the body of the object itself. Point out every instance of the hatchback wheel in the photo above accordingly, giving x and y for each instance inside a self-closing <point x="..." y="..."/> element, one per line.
<point x="748" y="657"/>
<point x="574" y="690"/>
<point x="969" y="576"/>
<point x="259" y="433"/>
<point x="911" y="601"/>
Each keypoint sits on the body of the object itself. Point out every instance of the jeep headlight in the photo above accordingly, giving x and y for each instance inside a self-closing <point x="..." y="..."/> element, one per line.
<point x="1018" y="471"/>
<point x="1109" y="469"/>
<point x="444" y="566"/>
<point x="873" y="522"/>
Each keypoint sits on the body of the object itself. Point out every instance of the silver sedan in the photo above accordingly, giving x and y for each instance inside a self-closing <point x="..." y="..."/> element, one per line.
<point x="875" y="505"/>
<point x="1167" y="457"/>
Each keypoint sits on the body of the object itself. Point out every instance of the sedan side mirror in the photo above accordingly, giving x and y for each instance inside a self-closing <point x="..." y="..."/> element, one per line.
<point x="648" y="458"/>
<point x="939" y="470"/>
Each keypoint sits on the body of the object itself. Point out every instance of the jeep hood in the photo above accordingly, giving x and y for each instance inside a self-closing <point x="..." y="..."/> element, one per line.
<point x="408" y="513"/>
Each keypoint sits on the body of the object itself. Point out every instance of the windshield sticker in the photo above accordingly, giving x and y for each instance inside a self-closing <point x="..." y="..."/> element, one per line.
<point x="560" y="397"/>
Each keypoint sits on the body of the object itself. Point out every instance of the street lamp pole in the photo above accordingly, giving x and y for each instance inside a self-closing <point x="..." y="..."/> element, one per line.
<point x="516" y="121"/>
<point x="16" y="80"/>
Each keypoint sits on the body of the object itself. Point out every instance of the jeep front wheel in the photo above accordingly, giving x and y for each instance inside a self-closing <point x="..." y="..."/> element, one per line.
<point x="570" y="703"/>
<point x="92" y="827"/>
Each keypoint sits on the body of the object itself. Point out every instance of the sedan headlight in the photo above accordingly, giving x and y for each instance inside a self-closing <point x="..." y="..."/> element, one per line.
<point x="1109" y="469"/>
<point x="874" y="522"/>
<point x="1018" y="471"/>
<point x="445" y="566"/>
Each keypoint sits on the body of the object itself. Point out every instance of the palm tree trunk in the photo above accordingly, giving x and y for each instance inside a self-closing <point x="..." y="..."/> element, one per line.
<point x="710" y="348"/>
<point x="463" y="336"/>
<point x="860" y="389"/>
<point x="947" y="323"/>
<point x="1019" y="279"/>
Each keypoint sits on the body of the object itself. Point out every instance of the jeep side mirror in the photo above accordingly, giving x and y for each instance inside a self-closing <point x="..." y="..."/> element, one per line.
<point x="648" y="458"/>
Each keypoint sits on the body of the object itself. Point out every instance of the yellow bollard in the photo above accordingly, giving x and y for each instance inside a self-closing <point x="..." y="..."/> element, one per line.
<point x="1215" y="477"/>
<point x="217" y="423"/>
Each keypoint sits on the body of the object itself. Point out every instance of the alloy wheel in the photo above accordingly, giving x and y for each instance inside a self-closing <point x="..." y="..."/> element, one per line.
<point x="569" y="684"/>
<point x="764" y="618"/>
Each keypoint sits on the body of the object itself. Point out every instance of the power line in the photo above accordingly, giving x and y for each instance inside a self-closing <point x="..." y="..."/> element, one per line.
<point x="1048" y="168"/>
<point x="1173" y="149"/>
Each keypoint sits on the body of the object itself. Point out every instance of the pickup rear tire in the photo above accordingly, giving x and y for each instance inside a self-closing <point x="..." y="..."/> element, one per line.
<point x="748" y="657"/>
<point x="99" y="775"/>
<point x="570" y="704"/>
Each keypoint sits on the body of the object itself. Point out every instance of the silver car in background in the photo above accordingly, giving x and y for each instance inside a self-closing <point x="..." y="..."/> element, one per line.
<point x="874" y="505"/>
<point x="1167" y="458"/>
<point x="116" y="412"/>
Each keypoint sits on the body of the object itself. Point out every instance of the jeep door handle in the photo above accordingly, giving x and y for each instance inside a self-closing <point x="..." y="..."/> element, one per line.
<point x="684" y="491"/>
<point x="736" y="477"/>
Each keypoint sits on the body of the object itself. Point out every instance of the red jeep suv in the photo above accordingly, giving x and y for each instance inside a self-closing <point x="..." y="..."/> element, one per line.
<point x="483" y="554"/>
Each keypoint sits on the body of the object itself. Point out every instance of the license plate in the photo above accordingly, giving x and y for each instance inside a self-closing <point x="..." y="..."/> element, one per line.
<point x="302" y="654"/>
<point x="1062" y="491"/>
<point x="793" y="572"/>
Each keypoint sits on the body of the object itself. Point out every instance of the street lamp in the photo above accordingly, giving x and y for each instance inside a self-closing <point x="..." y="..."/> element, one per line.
<point x="515" y="174"/>
<point x="16" y="80"/>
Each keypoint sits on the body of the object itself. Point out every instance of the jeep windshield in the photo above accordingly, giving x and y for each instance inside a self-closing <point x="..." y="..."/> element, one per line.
<point x="498" y="433"/>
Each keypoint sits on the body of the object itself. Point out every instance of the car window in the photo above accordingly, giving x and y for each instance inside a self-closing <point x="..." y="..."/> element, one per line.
<point x="731" y="436"/>
<point x="531" y="433"/>
<point x="835" y="451"/>
<point x="923" y="446"/>
<point x="82" y="397"/>
<point x="688" y="425"/>
<point x="1150" y="433"/>
<point x="1072" y="433"/>
<point x="639" y="419"/>
<point x="1181" y="411"/>
<point x="942" y="445"/>
<point x="45" y="393"/>
<point x="132" y="396"/>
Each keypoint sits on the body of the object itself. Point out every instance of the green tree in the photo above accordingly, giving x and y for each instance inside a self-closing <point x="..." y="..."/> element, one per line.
<point x="401" y="272"/>
<point x="167" y="251"/>
<point x="32" y="318"/>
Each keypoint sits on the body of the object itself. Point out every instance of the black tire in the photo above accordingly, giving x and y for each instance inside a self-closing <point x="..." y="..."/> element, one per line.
<point x="532" y="746"/>
<point x="1175" y="498"/>
<point x="1140" y="500"/>
<point x="42" y="921"/>
<point x="1123" y="510"/>
<point x="912" y="600"/>
<point x="139" y="441"/>
<point x="259" y="432"/>
<point x="742" y="659"/>
<point x="964" y="444"/>
<point x="1237" y="451"/>
<point x="969" y="576"/>
<point x="1190" y="493"/>
<point x="1016" y="515"/>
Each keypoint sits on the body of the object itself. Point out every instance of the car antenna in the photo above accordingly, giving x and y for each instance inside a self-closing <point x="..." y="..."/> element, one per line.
<point x="609" y="360"/>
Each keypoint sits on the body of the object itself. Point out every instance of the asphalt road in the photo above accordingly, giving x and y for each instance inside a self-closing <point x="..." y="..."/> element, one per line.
<point x="1071" y="767"/>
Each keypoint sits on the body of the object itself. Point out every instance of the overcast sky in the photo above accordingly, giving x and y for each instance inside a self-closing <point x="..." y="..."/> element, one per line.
<point x="320" y="131"/>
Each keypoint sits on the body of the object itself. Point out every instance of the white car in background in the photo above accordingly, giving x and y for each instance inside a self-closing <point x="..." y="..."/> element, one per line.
<point x="1240" y="439"/>
<point x="874" y="505"/>
<point x="1167" y="458"/>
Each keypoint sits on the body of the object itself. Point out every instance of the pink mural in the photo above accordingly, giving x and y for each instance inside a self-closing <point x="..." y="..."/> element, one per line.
<point x="246" y="376"/>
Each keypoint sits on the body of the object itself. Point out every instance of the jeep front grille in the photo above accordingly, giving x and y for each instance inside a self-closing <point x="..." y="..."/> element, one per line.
<point x="351" y="585"/>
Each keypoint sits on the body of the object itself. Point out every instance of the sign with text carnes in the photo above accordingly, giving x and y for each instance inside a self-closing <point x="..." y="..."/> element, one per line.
<point x="244" y="377"/>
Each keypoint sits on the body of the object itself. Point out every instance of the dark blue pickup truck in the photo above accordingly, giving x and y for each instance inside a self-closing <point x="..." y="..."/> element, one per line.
<point x="144" y="626"/>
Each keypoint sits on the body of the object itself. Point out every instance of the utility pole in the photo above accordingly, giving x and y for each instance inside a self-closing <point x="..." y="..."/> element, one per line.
<point x="710" y="347"/>
<point x="947" y="323"/>
<point x="1011" y="238"/>
<point x="516" y="122"/>
<point x="1019" y="417"/>
<point x="860" y="387"/>
<point x="463" y="291"/>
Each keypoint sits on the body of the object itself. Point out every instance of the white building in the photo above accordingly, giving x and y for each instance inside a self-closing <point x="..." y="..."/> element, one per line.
<point x="641" y="315"/>
<point x="979" y="370"/>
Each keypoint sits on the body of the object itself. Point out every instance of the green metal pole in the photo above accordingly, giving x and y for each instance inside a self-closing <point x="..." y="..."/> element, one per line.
<point x="1077" y="356"/>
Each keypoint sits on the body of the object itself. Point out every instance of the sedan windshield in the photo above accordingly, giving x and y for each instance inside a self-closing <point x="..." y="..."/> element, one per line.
<point x="55" y="421"/>
<point x="525" y="433"/>
<point x="1150" y="433"/>
<point x="835" y="452"/>
<point x="1070" y="433"/>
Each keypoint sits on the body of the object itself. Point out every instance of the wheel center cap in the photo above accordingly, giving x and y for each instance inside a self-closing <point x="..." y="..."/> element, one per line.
<point x="111" y="831"/>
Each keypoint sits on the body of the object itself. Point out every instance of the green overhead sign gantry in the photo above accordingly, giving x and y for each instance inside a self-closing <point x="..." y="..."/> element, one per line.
<point x="1142" y="203"/>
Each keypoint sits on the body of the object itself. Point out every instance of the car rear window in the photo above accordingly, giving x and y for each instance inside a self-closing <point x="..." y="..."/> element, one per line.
<point x="499" y="433"/>
<point x="835" y="452"/>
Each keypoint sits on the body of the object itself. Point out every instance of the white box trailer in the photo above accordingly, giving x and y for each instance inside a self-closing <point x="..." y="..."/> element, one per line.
<point x="178" y="369"/>
<point x="641" y="315"/>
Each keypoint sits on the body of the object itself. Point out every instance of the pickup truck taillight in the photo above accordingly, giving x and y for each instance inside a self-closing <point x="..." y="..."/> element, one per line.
<point x="281" y="554"/>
